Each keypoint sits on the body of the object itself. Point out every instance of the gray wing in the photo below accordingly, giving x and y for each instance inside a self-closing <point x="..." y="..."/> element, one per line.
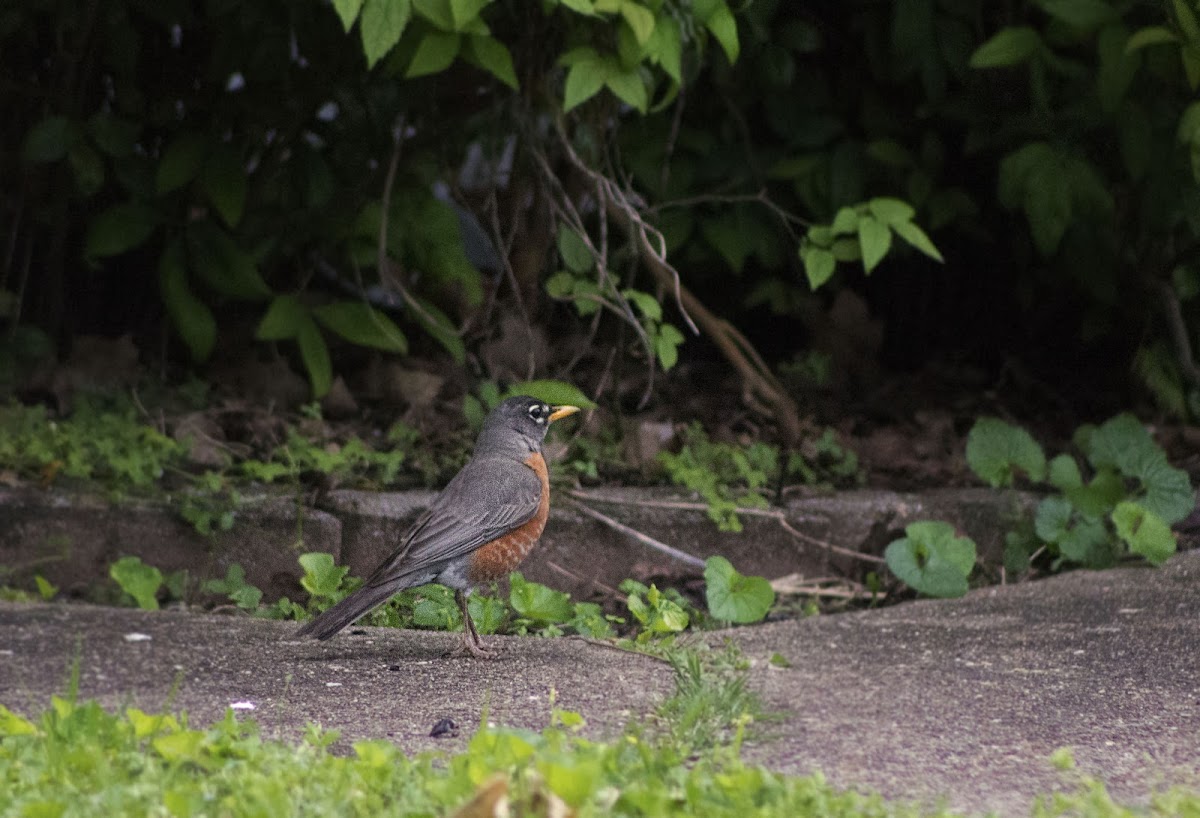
<point x="486" y="500"/>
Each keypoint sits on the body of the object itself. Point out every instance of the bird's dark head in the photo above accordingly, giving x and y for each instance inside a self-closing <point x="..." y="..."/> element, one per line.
<point x="520" y="421"/>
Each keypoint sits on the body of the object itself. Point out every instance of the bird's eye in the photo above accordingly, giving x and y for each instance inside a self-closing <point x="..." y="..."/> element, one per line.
<point x="538" y="412"/>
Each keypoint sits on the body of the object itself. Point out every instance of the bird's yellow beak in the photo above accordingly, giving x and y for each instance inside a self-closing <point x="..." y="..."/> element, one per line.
<point x="562" y="412"/>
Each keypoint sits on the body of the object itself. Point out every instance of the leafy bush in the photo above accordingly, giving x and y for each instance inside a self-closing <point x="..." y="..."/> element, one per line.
<point x="1125" y="501"/>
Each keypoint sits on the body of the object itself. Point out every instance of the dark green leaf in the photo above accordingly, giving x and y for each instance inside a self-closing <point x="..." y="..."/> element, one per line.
<point x="574" y="251"/>
<point x="487" y="612"/>
<point x="190" y="316"/>
<point x="114" y="136"/>
<point x="223" y="265"/>
<point x="1081" y="14"/>
<point x="88" y="168"/>
<point x="315" y="354"/>
<point x="180" y="161"/>
<point x="647" y="305"/>
<point x="224" y="181"/>
<point x="931" y="559"/>
<point x="1064" y="473"/>
<point x="1151" y="35"/>
<point x="383" y="21"/>
<point x="1053" y="519"/>
<point x="282" y="320"/>
<point x="49" y="140"/>
<point x="1047" y="204"/>
<point x="434" y="53"/>
<point x="891" y="211"/>
<point x="322" y="578"/>
<point x="464" y="12"/>
<point x="118" y="229"/>
<point x="438" y="12"/>
<point x="665" y="47"/>
<point x="1009" y="46"/>
<point x="629" y="88"/>
<point x="360" y="323"/>
<point x="1087" y="542"/>
<point x="435" y="322"/>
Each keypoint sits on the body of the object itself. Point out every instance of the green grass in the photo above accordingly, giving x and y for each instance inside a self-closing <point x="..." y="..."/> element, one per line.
<point x="78" y="759"/>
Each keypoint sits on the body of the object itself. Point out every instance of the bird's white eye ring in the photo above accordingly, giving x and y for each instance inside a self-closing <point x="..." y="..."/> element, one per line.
<point x="538" y="413"/>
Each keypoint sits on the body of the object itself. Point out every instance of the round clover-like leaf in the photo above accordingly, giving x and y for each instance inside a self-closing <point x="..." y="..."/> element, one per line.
<point x="734" y="597"/>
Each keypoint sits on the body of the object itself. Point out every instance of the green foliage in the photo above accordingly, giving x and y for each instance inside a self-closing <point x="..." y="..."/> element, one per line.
<point x="861" y="233"/>
<point x="138" y="580"/>
<point x="1127" y="501"/>
<point x="75" y="757"/>
<point x="350" y="461"/>
<point x="995" y="449"/>
<point x="658" y="613"/>
<point x="724" y="475"/>
<point x="102" y="441"/>
<point x="733" y="597"/>
<point x="324" y="580"/>
<point x="932" y="559"/>
<point x="235" y="588"/>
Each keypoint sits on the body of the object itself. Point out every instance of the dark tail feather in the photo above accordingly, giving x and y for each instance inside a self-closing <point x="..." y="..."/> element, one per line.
<point x="349" y="609"/>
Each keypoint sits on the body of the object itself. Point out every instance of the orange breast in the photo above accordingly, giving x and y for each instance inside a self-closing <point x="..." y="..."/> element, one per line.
<point x="496" y="559"/>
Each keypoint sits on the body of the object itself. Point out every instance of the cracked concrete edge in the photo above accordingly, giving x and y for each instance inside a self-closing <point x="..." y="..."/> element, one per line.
<point x="71" y="539"/>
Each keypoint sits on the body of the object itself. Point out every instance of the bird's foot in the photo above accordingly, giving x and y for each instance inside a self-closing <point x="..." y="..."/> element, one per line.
<point x="473" y="648"/>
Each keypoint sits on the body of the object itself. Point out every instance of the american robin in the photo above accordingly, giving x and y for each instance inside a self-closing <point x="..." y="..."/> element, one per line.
<point x="479" y="528"/>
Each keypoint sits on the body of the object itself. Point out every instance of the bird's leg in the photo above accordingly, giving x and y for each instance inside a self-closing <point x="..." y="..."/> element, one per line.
<point x="472" y="644"/>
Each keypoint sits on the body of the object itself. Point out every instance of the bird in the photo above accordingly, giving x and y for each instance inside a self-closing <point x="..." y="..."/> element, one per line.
<point x="479" y="528"/>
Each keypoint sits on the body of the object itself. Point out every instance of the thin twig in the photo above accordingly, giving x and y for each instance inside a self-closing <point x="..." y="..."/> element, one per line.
<point x="644" y="539"/>
<point x="770" y="514"/>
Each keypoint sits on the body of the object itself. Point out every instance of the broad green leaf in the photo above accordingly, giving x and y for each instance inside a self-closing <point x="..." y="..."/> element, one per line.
<point x="1064" y="473"/>
<point x="1047" y="204"/>
<point x="183" y="747"/>
<point x="585" y="7"/>
<point x="1186" y="19"/>
<point x="1144" y="532"/>
<point x="555" y="393"/>
<point x="1117" y="66"/>
<point x="1053" y="519"/>
<point x="119" y="228"/>
<point x="139" y="580"/>
<point x="223" y="178"/>
<point x="734" y="597"/>
<point x="438" y="325"/>
<point x="1008" y="46"/>
<point x="87" y="167"/>
<point x="438" y="12"/>
<point x="487" y="612"/>
<point x="49" y="140"/>
<point x="585" y="78"/>
<point x="181" y="161"/>
<point x="347" y="11"/>
<point x="464" y="12"/>
<point x="190" y="316"/>
<point x="434" y="53"/>
<point x="114" y="135"/>
<point x="891" y="211"/>
<point x="875" y="239"/>
<point x="846" y="249"/>
<point x="315" y="354"/>
<point x="282" y="320"/>
<point x="647" y="304"/>
<point x="1082" y="14"/>
<point x="639" y="18"/>
<point x="13" y="725"/>
<point x="1097" y="498"/>
<point x="360" y="323"/>
<point x="493" y="56"/>
<point x="1150" y="35"/>
<point x="819" y="264"/>
<point x="537" y="602"/>
<point x="724" y="28"/>
<point x="932" y="559"/>
<point x="665" y="47"/>
<point x="574" y="251"/>
<point x="666" y="345"/>
<point x="224" y="266"/>
<point x="1033" y="159"/>
<point x="995" y="450"/>
<point x="322" y="577"/>
<point x="383" y="21"/>
<point x="629" y="88"/>
<point x="1087" y="541"/>
<point x="916" y="237"/>
<point x="846" y="221"/>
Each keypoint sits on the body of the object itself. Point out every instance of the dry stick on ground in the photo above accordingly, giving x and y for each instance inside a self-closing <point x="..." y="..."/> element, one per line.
<point x="776" y="515"/>
<point x="644" y="539"/>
